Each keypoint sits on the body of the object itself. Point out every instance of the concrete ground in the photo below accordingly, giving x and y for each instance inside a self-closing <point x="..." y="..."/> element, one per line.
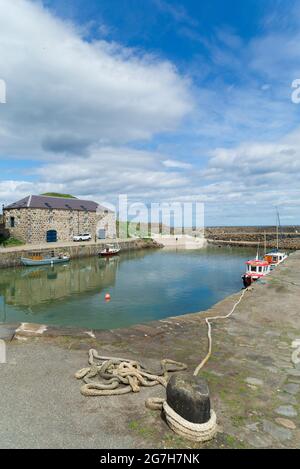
<point x="253" y="375"/>
<point x="61" y="244"/>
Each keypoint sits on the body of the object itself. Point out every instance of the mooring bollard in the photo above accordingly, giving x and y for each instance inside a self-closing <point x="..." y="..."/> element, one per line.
<point x="187" y="408"/>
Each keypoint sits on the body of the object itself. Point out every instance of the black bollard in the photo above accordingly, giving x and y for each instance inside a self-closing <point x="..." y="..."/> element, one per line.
<point x="188" y="396"/>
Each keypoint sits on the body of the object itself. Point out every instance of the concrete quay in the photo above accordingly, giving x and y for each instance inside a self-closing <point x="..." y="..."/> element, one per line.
<point x="253" y="375"/>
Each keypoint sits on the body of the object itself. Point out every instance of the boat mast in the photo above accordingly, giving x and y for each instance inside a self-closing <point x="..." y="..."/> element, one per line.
<point x="277" y="228"/>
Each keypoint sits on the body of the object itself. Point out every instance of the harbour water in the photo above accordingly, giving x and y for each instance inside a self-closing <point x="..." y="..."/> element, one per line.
<point x="144" y="285"/>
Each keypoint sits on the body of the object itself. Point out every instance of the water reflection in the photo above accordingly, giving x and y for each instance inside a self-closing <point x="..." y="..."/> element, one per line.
<point x="144" y="285"/>
<point x="31" y="286"/>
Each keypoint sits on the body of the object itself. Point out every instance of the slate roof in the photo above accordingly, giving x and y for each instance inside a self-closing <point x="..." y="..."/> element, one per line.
<point x="57" y="203"/>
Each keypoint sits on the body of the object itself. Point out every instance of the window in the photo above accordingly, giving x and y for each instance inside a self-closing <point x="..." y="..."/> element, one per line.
<point x="12" y="222"/>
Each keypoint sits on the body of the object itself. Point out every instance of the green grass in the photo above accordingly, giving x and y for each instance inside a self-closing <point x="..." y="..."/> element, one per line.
<point x="11" y="242"/>
<point x="56" y="194"/>
<point x="141" y="429"/>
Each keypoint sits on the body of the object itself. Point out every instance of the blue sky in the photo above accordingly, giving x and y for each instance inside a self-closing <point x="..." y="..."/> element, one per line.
<point x="163" y="100"/>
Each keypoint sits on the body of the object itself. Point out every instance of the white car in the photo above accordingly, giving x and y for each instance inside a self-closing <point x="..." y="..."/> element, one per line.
<point x="82" y="237"/>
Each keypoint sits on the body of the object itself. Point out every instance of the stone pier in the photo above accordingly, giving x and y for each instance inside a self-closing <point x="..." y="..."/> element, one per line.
<point x="11" y="257"/>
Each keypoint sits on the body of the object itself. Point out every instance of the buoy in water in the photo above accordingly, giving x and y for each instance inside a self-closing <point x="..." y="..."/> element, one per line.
<point x="107" y="297"/>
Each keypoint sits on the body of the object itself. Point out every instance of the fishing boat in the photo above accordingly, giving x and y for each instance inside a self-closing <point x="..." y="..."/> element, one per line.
<point x="256" y="269"/>
<point x="36" y="259"/>
<point x="275" y="257"/>
<point x="110" y="250"/>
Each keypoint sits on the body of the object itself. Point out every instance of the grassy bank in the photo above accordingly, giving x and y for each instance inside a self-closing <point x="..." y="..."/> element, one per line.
<point x="10" y="242"/>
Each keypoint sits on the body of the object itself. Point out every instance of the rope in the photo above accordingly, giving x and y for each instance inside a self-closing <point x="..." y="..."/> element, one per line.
<point x="118" y="376"/>
<point x="208" y="322"/>
<point x="121" y="376"/>
<point x="191" y="431"/>
<point x="200" y="432"/>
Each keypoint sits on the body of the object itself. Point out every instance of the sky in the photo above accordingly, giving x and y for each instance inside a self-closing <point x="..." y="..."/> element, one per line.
<point x="166" y="101"/>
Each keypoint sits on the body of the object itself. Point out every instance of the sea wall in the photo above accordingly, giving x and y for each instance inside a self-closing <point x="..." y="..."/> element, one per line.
<point x="245" y="236"/>
<point x="12" y="257"/>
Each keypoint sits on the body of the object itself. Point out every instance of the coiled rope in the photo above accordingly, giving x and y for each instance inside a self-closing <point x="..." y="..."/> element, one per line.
<point x="117" y="376"/>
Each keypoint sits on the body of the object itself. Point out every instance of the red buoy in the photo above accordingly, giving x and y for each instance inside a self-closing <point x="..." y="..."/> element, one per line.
<point x="107" y="297"/>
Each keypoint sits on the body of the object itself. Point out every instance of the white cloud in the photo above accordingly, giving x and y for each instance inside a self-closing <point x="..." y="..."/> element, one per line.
<point x="176" y="164"/>
<point x="79" y="107"/>
<point x="65" y="94"/>
<point x="102" y="175"/>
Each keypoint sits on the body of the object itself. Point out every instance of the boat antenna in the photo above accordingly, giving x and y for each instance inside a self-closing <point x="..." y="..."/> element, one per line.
<point x="257" y="253"/>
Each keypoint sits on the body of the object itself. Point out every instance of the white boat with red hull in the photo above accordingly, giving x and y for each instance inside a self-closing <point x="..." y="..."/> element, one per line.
<point x="110" y="250"/>
<point x="256" y="269"/>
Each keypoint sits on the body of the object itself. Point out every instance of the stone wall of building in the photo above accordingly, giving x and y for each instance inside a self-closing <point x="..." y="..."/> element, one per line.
<point x="31" y="225"/>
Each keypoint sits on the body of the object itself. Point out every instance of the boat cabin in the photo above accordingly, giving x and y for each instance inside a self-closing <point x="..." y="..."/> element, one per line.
<point x="257" y="268"/>
<point x="38" y="256"/>
<point x="274" y="258"/>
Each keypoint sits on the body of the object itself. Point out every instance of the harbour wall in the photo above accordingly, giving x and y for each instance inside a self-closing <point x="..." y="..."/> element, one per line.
<point x="246" y="236"/>
<point x="253" y="373"/>
<point x="11" y="257"/>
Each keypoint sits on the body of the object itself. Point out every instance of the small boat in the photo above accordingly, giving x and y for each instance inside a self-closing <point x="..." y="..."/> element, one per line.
<point x="275" y="258"/>
<point x="37" y="258"/>
<point x="110" y="250"/>
<point x="256" y="269"/>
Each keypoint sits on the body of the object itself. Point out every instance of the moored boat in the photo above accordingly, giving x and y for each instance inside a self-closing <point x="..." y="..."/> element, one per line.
<point x="256" y="269"/>
<point x="275" y="258"/>
<point x="36" y="259"/>
<point x="110" y="250"/>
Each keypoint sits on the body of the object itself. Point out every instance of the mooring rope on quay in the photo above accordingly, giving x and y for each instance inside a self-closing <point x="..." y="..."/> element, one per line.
<point x="121" y="376"/>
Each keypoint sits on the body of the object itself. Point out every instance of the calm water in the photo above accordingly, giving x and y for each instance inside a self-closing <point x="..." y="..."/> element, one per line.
<point x="144" y="285"/>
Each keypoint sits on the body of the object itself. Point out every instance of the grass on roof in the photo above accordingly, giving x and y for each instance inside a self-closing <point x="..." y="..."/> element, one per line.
<point x="56" y="194"/>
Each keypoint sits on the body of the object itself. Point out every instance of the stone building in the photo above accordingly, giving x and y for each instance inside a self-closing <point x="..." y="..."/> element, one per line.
<point x="38" y="219"/>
